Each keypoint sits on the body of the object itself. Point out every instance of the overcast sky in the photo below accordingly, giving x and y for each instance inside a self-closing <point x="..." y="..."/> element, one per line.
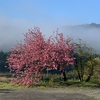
<point x="17" y="16"/>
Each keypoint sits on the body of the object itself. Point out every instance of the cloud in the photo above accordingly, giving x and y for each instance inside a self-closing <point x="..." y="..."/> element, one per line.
<point x="89" y="33"/>
<point x="11" y="31"/>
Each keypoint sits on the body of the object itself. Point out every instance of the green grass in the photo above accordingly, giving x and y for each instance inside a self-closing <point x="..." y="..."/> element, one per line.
<point x="69" y="84"/>
<point x="57" y="81"/>
<point x="5" y="83"/>
<point x="80" y="84"/>
<point x="48" y="81"/>
<point x="9" y="86"/>
<point x="50" y="84"/>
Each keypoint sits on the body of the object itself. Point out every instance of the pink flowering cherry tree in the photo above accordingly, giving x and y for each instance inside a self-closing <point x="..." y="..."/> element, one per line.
<point x="62" y="54"/>
<point x="28" y="59"/>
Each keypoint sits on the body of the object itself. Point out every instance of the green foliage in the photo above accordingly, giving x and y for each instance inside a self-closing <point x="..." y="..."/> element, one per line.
<point x="85" y="62"/>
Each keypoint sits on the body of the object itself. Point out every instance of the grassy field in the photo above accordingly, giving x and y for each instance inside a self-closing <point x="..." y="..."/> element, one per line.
<point x="53" y="81"/>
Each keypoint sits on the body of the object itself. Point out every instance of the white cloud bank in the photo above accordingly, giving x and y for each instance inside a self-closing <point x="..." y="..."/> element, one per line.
<point x="89" y="33"/>
<point x="12" y="30"/>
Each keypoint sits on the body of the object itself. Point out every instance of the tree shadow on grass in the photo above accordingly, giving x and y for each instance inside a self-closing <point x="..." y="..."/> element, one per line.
<point x="80" y="84"/>
<point x="6" y="90"/>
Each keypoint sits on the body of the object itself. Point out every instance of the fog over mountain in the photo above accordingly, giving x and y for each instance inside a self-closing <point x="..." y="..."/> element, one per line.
<point x="89" y="33"/>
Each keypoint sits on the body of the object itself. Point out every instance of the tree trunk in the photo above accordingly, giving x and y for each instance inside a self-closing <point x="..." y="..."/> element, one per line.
<point x="64" y="76"/>
<point x="76" y="65"/>
<point x="79" y="75"/>
<point x="82" y="68"/>
<point x="89" y="77"/>
<point x="91" y="73"/>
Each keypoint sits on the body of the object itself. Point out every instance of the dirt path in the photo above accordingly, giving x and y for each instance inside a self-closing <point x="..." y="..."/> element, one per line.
<point x="50" y="94"/>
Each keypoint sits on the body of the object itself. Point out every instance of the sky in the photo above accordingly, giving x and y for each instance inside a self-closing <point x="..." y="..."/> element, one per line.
<point x="17" y="16"/>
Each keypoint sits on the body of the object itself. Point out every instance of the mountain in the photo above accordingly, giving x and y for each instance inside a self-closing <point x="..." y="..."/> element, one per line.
<point x="89" y="33"/>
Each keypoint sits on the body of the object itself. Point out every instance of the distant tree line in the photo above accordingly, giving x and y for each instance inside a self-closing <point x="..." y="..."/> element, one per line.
<point x="3" y="61"/>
